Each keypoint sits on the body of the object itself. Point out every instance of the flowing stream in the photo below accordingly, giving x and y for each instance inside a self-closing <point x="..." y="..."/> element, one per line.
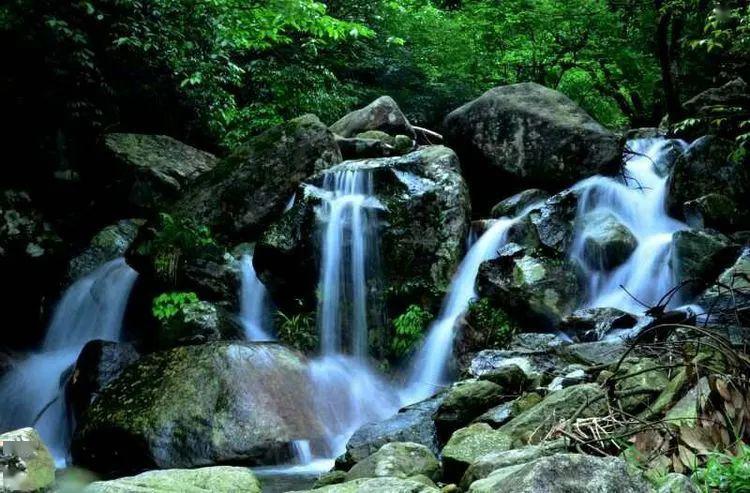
<point x="254" y="303"/>
<point x="33" y="390"/>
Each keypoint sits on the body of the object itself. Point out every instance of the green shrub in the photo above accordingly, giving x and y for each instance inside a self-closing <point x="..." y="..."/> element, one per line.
<point x="490" y="321"/>
<point x="167" y="305"/>
<point x="723" y="472"/>
<point x="297" y="331"/>
<point x="410" y="327"/>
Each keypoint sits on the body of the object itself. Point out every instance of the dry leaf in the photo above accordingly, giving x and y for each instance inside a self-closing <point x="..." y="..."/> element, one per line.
<point x="723" y="390"/>
<point x="687" y="457"/>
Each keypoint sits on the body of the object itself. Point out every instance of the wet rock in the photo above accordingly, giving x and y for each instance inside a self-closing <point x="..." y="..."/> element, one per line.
<point x="515" y="204"/>
<point x="198" y="323"/>
<point x="498" y="415"/>
<point x="536" y="341"/>
<point x="217" y="479"/>
<point x="99" y="363"/>
<point x="108" y="244"/>
<point x="644" y="378"/>
<point x="377" y="485"/>
<point x="469" y="444"/>
<point x="607" y="243"/>
<point x="193" y="406"/>
<point x="151" y="170"/>
<point x="27" y="464"/>
<point x="383" y="114"/>
<point x="246" y="190"/>
<point x="532" y="289"/>
<point x="537" y="365"/>
<point x="511" y="378"/>
<point x="677" y="483"/>
<point x="398" y="460"/>
<point x="485" y="465"/>
<point x="714" y="211"/>
<point x="413" y="423"/>
<point x="698" y="257"/>
<point x="729" y="300"/>
<point x="532" y="425"/>
<point x="706" y="167"/>
<point x="562" y="473"/>
<point x="570" y="375"/>
<point x="593" y="353"/>
<point x="553" y="223"/>
<point x="525" y="135"/>
<point x="463" y="402"/>
<point x="592" y="324"/>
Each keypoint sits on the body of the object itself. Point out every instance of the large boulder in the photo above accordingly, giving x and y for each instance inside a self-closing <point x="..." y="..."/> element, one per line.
<point x="563" y="473"/>
<point x="469" y="444"/>
<point x="515" y="204"/>
<point x="532" y="289"/>
<point x="199" y="405"/>
<point x="698" y="257"/>
<point x="382" y="114"/>
<point x="607" y="242"/>
<point x="243" y="192"/>
<point x="733" y="93"/>
<point x="463" y="402"/>
<point x="149" y="171"/>
<point x="27" y="465"/>
<point x="423" y="214"/>
<point x="413" y="423"/>
<point x="728" y="300"/>
<point x="108" y="244"/>
<point x="197" y="323"/>
<point x="526" y="135"/>
<point x="707" y="167"/>
<point x="217" y="479"/>
<point x="397" y="460"/>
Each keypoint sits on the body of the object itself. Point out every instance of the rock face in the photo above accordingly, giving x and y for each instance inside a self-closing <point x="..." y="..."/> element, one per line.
<point x="607" y="243"/>
<point x="705" y="168"/>
<point x="197" y="405"/>
<point x="423" y="221"/>
<point x="99" y="363"/>
<point x="198" y="323"/>
<point x="526" y="134"/>
<point x="244" y="191"/>
<point x="30" y="467"/>
<point x="382" y="114"/>
<point x="108" y="244"/>
<point x="733" y="93"/>
<point x="727" y="304"/>
<point x="397" y="460"/>
<point x="412" y="424"/>
<point x="564" y="473"/>
<point x="219" y="479"/>
<point x="700" y="256"/>
<point x="151" y="170"/>
<point x="513" y="205"/>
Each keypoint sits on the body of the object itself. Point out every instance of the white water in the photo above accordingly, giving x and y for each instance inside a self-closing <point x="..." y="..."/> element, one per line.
<point x="254" y="303"/>
<point x="639" y="204"/>
<point x="91" y="308"/>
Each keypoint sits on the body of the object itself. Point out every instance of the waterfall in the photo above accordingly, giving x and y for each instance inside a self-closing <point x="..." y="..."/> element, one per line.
<point x="432" y="358"/>
<point x="254" y="313"/>
<point x="638" y="202"/>
<point x="32" y="392"/>
<point x="349" y="261"/>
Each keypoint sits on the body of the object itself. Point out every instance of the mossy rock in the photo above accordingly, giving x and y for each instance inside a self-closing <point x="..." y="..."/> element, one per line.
<point x="468" y="444"/>
<point x="218" y="479"/>
<point x="399" y="460"/>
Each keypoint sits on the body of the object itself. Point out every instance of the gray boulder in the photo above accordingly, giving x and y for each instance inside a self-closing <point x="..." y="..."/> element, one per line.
<point x="378" y="485"/>
<point x="525" y="135"/>
<point x="382" y="114"/>
<point x="151" y="170"/>
<point x="108" y="244"/>
<point x="198" y="323"/>
<point x="699" y="257"/>
<point x="733" y="93"/>
<point x="194" y="406"/>
<point x="729" y="299"/>
<point x="469" y="444"/>
<point x="515" y="204"/>
<point x="592" y="324"/>
<point x="217" y="479"/>
<point x="463" y="402"/>
<point x="397" y="460"/>
<point x="607" y="243"/>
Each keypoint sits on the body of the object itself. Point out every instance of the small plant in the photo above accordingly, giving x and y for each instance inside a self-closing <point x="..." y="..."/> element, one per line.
<point x="723" y="472"/>
<point x="490" y="321"/>
<point x="410" y="328"/>
<point x="297" y="331"/>
<point x="167" y="305"/>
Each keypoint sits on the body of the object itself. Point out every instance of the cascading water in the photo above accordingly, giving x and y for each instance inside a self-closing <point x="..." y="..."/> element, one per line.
<point x="32" y="393"/>
<point x="254" y="313"/>
<point x="638" y="202"/>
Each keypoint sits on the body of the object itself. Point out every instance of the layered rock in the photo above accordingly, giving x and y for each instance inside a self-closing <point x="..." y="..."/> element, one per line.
<point x="527" y="135"/>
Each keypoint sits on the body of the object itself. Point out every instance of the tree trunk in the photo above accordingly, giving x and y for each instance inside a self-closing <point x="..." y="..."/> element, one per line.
<point x="664" y="52"/>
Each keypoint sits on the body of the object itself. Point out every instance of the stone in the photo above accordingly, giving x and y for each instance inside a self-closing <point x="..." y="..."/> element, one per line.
<point x="714" y="211"/>
<point x="698" y="257"/>
<point x="515" y="204"/>
<point x="467" y="445"/>
<point x="149" y="171"/>
<point x="498" y="415"/>
<point x="648" y="379"/>
<point x="563" y="473"/>
<point x="398" y="460"/>
<point x="526" y="135"/>
<point x="550" y="226"/>
<point x="733" y="93"/>
<point x="535" y="364"/>
<point x="198" y="323"/>
<point x="217" y="479"/>
<point x="242" y="194"/>
<point x="532" y="425"/>
<point x="27" y="464"/>
<point x="108" y="244"/>
<point x="463" y="402"/>
<point x="413" y="423"/>
<point x="193" y="406"/>
<point x="571" y="375"/>
<point x="592" y="324"/>
<point x="486" y="464"/>
<point x="383" y="114"/>
<point x="607" y="243"/>
<point x="98" y="364"/>
<point x="594" y="353"/>
<point x="685" y="411"/>
<point x="677" y="483"/>
<point x="511" y="378"/>
<point x="729" y="300"/>
<point x="377" y="485"/>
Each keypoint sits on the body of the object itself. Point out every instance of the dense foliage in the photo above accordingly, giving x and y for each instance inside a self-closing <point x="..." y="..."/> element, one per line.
<point x="297" y="331"/>
<point x="491" y="322"/>
<point x="409" y="329"/>
<point x="167" y="305"/>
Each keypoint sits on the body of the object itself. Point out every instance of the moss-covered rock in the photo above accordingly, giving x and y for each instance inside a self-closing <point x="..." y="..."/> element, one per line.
<point x="463" y="402"/>
<point x="469" y="444"/>
<point x="398" y="460"/>
<point x="640" y="380"/>
<point x="218" y="479"/>
<point x="699" y="257"/>
<point x="515" y="204"/>
<point x="30" y="466"/>
<point x="108" y="244"/>
<point x="197" y="323"/>
<point x="199" y="405"/>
